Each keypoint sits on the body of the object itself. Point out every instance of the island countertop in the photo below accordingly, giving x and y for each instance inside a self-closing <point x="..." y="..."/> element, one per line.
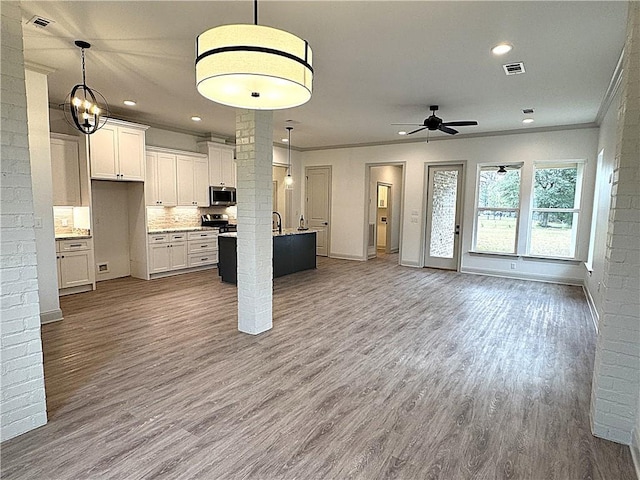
<point x="285" y="231"/>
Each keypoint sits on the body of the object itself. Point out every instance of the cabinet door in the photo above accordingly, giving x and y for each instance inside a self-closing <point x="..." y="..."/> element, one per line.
<point x="160" y="258"/>
<point x="151" y="196"/>
<point x="179" y="255"/>
<point x="215" y="166"/>
<point x="65" y="171"/>
<point x="75" y="269"/>
<point x="227" y="168"/>
<point x="166" y="177"/>
<point x="184" y="171"/>
<point x="201" y="181"/>
<point x="103" y="148"/>
<point x="131" y="154"/>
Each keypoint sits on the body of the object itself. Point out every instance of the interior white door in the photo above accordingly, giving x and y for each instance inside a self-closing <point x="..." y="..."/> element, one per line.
<point x="444" y="209"/>
<point x="318" y="209"/>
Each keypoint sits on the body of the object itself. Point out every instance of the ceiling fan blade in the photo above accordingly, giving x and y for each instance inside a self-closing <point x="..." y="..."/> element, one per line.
<point x="446" y="129"/>
<point x="464" y="123"/>
<point x="414" y="124"/>
<point x="415" y="131"/>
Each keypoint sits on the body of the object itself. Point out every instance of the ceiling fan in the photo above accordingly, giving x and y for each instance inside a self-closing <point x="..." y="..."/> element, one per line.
<point x="435" y="123"/>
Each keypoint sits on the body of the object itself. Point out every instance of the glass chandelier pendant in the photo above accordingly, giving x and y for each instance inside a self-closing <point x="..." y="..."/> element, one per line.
<point x="288" y="180"/>
<point x="253" y="66"/>
<point x="84" y="108"/>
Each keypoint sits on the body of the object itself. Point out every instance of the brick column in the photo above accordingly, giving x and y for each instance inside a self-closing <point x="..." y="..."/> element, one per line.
<point x="22" y="403"/>
<point x="616" y="378"/>
<point x="254" y="152"/>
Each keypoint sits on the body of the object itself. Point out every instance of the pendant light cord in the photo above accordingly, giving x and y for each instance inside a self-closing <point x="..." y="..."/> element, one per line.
<point x="84" y="80"/>
<point x="289" y="144"/>
<point x="255" y="12"/>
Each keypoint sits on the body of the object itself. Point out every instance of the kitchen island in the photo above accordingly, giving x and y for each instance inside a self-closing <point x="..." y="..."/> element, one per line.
<point x="293" y="251"/>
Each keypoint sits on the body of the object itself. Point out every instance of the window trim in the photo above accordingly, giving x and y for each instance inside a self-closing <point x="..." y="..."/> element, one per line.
<point x="576" y="210"/>
<point x="477" y="209"/>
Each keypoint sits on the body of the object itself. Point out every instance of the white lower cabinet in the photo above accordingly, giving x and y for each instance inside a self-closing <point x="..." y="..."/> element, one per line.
<point x="170" y="252"/>
<point x="74" y="259"/>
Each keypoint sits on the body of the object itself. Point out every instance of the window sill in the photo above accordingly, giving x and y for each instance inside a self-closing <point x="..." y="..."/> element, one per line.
<point x="534" y="258"/>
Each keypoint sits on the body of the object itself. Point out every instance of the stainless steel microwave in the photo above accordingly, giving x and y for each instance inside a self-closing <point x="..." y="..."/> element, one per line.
<point x="222" y="196"/>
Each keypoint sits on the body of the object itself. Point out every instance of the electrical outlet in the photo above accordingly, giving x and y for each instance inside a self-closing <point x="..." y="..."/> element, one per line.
<point x="37" y="222"/>
<point x="513" y="265"/>
<point x="65" y="222"/>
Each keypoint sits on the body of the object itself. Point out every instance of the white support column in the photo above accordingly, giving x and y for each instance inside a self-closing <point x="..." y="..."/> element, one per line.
<point x="616" y="377"/>
<point x="254" y="152"/>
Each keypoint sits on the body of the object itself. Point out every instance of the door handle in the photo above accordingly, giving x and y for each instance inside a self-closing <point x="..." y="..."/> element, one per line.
<point x="325" y="223"/>
<point x="457" y="230"/>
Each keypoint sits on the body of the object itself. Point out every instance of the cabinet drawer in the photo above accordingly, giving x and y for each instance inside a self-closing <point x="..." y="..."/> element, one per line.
<point x="178" y="237"/>
<point x="203" y="235"/>
<point x="208" y="258"/>
<point x="159" y="238"/>
<point x="203" y="246"/>
<point x="73" y="245"/>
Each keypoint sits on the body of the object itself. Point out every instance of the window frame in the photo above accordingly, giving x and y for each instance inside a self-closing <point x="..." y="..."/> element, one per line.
<point x="576" y="210"/>
<point x="477" y="210"/>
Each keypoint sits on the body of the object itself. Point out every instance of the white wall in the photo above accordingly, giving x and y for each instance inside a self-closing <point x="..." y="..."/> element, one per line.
<point x="348" y="202"/>
<point x="111" y="227"/>
<point x="168" y="139"/>
<point x="40" y="152"/>
<point x="22" y="404"/>
<point x="606" y="144"/>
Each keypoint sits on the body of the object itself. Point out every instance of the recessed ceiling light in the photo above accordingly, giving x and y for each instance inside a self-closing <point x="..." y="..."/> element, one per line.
<point x="130" y="103"/>
<point x="196" y="119"/>
<point x="527" y="120"/>
<point x="501" y="49"/>
<point x="402" y="132"/>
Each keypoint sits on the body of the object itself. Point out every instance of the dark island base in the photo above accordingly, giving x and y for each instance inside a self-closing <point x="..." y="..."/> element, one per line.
<point x="291" y="253"/>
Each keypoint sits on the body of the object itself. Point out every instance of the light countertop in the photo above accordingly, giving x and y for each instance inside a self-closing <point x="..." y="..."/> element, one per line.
<point x="285" y="231"/>
<point x="71" y="236"/>
<point x="180" y="229"/>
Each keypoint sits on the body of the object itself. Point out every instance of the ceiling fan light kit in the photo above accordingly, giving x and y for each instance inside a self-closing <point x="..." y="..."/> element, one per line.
<point x="253" y="66"/>
<point x="85" y="108"/>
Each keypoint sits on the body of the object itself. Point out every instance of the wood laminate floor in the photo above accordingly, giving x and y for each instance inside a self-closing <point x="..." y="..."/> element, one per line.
<point x="371" y="371"/>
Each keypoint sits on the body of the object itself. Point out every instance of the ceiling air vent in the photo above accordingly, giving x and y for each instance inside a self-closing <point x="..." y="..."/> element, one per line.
<point x="40" y="22"/>
<point x="513" y="68"/>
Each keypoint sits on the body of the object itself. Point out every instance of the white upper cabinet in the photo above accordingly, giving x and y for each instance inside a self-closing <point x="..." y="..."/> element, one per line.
<point x="65" y="171"/>
<point x="161" y="182"/>
<point x="117" y="152"/>
<point x="192" y="174"/>
<point x="222" y="166"/>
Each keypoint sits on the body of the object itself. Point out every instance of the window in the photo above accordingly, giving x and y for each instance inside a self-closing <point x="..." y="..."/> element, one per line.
<point x="555" y="209"/>
<point x="497" y="209"/>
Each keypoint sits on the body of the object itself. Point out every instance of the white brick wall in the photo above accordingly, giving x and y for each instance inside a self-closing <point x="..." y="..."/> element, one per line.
<point x="254" y="157"/>
<point x="616" y="380"/>
<point x="22" y="398"/>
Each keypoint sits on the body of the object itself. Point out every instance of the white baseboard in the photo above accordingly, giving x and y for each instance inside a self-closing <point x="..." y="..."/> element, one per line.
<point x="592" y="307"/>
<point x="78" y="289"/>
<point x="346" y="256"/>
<point x="535" y="277"/>
<point x="410" y="263"/>
<point x="635" y="450"/>
<point x="51" y="316"/>
<point x="171" y="273"/>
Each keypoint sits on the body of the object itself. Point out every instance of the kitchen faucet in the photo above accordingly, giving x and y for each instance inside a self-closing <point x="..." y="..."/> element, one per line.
<point x="279" y="222"/>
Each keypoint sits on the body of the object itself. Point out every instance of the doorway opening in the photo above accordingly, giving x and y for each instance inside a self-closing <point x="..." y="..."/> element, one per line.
<point x="444" y="213"/>
<point x="383" y="233"/>
<point x="282" y="200"/>
<point x="383" y="218"/>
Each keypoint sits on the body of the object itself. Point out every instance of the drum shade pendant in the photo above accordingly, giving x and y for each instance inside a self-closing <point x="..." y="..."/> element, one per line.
<point x="253" y="66"/>
<point x="85" y="108"/>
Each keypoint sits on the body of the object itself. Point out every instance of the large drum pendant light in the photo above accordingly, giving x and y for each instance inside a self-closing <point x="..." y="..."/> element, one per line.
<point x="253" y="66"/>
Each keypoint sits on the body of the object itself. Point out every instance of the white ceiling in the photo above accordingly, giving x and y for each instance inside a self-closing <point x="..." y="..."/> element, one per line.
<point x="375" y="62"/>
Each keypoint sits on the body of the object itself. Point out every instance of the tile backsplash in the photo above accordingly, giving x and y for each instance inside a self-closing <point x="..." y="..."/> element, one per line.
<point x="159" y="218"/>
<point x="71" y="220"/>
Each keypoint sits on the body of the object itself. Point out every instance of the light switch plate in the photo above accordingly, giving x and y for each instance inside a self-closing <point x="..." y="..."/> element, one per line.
<point x="37" y="222"/>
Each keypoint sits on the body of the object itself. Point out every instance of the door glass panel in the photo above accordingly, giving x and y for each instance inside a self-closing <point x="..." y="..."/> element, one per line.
<point x="443" y="217"/>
